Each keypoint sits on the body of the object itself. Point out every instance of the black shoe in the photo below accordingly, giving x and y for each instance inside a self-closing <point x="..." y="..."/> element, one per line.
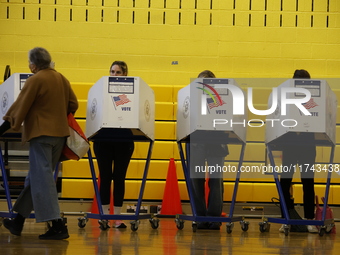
<point x="13" y="227"/>
<point x="52" y="234"/>
<point x="203" y="225"/>
<point x="58" y="231"/>
<point x="215" y="225"/>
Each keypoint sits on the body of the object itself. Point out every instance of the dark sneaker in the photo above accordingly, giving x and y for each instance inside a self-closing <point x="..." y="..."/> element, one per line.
<point x="215" y="225"/>
<point x="203" y="225"/>
<point x="13" y="227"/>
<point x="53" y="234"/>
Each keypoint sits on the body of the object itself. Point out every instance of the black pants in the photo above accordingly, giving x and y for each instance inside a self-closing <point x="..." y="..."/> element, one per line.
<point x="113" y="159"/>
<point x="303" y="156"/>
<point x="200" y="157"/>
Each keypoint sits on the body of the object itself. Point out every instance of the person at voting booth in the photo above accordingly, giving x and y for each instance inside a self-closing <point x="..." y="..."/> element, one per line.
<point x="211" y="154"/>
<point x="303" y="153"/>
<point x="42" y="107"/>
<point x="113" y="158"/>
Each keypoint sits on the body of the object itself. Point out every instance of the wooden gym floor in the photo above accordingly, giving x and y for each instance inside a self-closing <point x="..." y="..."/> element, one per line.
<point x="166" y="239"/>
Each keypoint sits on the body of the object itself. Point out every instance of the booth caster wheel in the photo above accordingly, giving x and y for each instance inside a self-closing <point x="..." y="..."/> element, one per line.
<point x="286" y="229"/>
<point x="286" y="232"/>
<point x="179" y="224"/>
<point x="322" y="230"/>
<point x="194" y="227"/>
<point x="154" y="223"/>
<point x="82" y="222"/>
<point x="103" y="224"/>
<point x="244" y="225"/>
<point x="134" y="225"/>
<point x="230" y="227"/>
<point x="264" y="226"/>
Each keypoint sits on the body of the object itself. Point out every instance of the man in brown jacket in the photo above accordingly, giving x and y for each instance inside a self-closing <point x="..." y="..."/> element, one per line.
<point x="41" y="108"/>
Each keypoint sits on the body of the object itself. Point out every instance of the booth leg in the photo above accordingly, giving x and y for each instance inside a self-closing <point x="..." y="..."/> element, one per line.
<point x="6" y="187"/>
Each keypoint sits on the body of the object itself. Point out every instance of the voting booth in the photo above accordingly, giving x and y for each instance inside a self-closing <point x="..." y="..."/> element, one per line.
<point x="322" y="107"/>
<point x="208" y="104"/>
<point x="211" y="111"/>
<point x="295" y="127"/>
<point x="116" y="102"/>
<point x="9" y="91"/>
<point x="120" y="108"/>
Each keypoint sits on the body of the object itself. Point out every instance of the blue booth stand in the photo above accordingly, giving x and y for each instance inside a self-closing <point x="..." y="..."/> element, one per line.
<point x="311" y="123"/>
<point x="120" y="108"/>
<point x="104" y="134"/>
<point x="206" y="109"/>
<point x="230" y="219"/>
<point x="325" y="225"/>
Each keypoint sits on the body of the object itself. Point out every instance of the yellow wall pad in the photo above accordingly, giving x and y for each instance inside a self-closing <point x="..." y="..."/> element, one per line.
<point x="319" y="190"/>
<point x="154" y="190"/>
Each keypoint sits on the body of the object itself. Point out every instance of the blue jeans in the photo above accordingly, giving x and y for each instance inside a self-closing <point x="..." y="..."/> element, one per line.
<point x="40" y="192"/>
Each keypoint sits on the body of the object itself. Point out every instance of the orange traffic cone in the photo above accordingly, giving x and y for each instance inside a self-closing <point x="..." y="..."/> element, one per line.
<point x="171" y="204"/>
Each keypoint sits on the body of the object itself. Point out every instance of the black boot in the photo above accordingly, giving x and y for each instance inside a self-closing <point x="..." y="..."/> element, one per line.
<point x="58" y="231"/>
<point x="16" y="225"/>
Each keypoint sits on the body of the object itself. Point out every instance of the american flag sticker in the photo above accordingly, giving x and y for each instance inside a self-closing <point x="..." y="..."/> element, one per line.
<point x="310" y="104"/>
<point x="120" y="100"/>
<point x="212" y="104"/>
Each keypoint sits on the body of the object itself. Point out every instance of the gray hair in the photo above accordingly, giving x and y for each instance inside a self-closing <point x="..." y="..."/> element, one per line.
<point x="39" y="57"/>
